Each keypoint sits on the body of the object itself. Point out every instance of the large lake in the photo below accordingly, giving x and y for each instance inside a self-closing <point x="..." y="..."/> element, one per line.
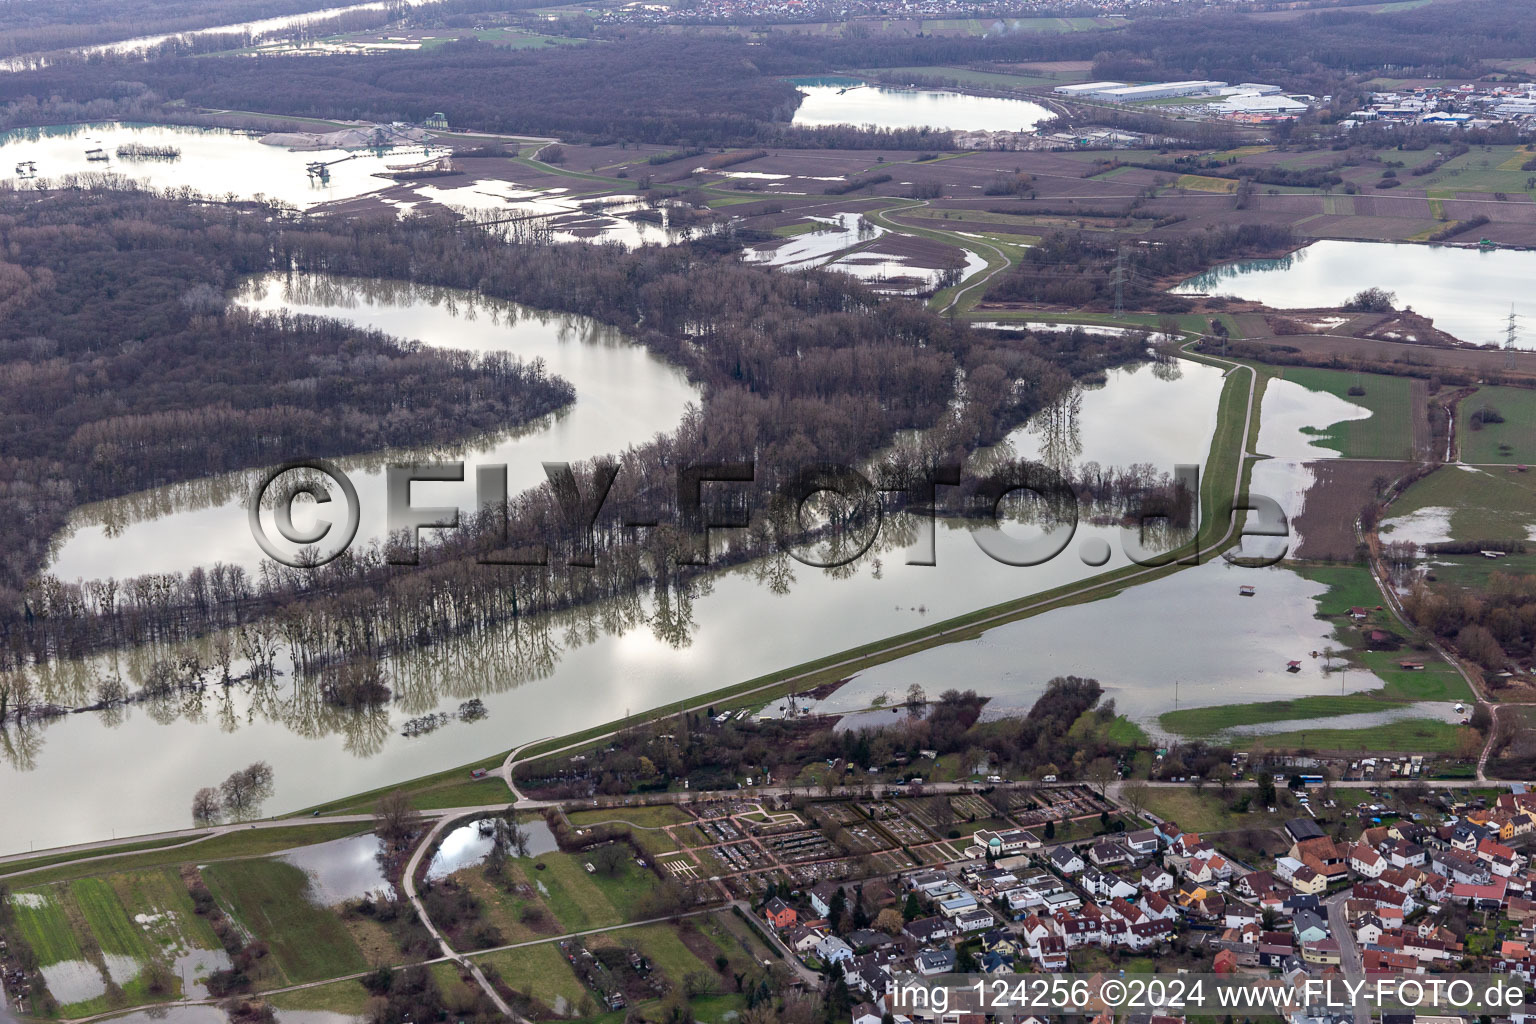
<point x="1467" y="292"/>
<point x="853" y="101"/>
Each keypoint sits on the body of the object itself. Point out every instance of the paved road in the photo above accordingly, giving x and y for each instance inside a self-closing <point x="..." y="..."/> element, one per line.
<point x="1349" y="952"/>
<point x="427" y="842"/>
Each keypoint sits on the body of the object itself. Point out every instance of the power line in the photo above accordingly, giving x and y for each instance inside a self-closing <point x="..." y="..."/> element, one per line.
<point x="1511" y="332"/>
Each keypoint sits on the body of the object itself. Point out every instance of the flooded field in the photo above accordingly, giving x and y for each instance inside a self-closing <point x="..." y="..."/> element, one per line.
<point x="469" y="844"/>
<point x="1467" y="292"/>
<point x="342" y="870"/>
<point x="213" y="161"/>
<point x="1187" y="640"/>
<point x="853" y="101"/>
<point x="562" y="673"/>
<point x="856" y="245"/>
<point x="255" y="29"/>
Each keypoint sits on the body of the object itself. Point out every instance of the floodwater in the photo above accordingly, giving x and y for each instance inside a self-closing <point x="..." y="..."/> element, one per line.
<point x="214" y="161"/>
<point x="173" y="1014"/>
<point x="256" y="29"/>
<point x="469" y="844"/>
<point x="1467" y="292"/>
<point x="1441" y="711"/>
<point x="1187" y="640"/>
<point x="1057" y="327"/>
<point x="559" y="674"/>
<point x="624" y="396"/>
<point x="1293" y="417"/>
<point x="568" y="218"/>
<point x="342" y="870"/>
<point x="829" y="246"/>
<point x="852" y="101"/>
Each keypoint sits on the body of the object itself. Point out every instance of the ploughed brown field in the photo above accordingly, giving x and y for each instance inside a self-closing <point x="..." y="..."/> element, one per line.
<point x="1341" y="488"/>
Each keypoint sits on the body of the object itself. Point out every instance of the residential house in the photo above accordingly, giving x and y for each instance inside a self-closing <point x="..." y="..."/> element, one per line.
<point x="1155" y="878"/>
<point x="1000" y="940"/>
<point x="1486" y="896"/>
<point x="1322" y="952"/>
<point x="1051" y="954"/>
<point x="1501" y="860"/>
<point x="822" y="896"/>
<point x="1307" y="881"/>
<point x="957" y="905"/>
<point x="1143" y="842"/>
<point x="1366" y="862"/>
<point x="1146" y="934"/>
<point x="1104" y="885"/>
<point x="935" y="961"/>
<point x="868" y="939"/>
<point x="779" y="914"/>
<point x="802" y="939"/>
<point x="1309" y="926"/>
<point x="1465" y="835"/>
<point x="831" y="949"/>
<point x="1066" y="860"/>
<point x="977" y="920"/>
<point x="1110" y="854"/>
<point x="929" y="931"/>
<point x="1157" y="908"/>
<point x="1460" y="866"/>
<point x="1208" y="867"/>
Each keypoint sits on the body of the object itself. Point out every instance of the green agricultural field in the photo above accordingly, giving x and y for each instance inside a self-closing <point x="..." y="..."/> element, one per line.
<point x="1349" y="586"/>
<point x="267" y="898"/>
<point x="107" y="921"/>
<point x="1483" y="169"/>
<point x="1204" y="722"/>
<point x="1386" y="434"/>
<point x="1415" y="735"/>
<point x="539" y="971"/>
<point x="160" y="895"/>
<point x="649" y="817"/>
<point x="44" y="925"/>
<point x="1484" y="504"/>
<point x="1206" y="811"/>
<point x="1435" y="681"/>
<point x="573" y="895"/>
<point x="242" y="843"/>
<point x="1510" y="442"/>
<point x="348" y="997"/>
<point x="1475" y="571"/>
<point x="660" y="944"/>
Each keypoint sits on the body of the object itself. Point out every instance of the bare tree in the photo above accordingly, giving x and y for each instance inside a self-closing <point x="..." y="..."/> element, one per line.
<point x="244" y="791"/>
<point x="1101" y="772"/>
<point x="1134" y="795"/>
<point x="394" y="819"/>
<point x="206" y="807"/>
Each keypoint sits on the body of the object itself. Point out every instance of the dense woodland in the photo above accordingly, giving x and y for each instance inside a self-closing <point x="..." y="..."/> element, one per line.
<point x="797" y="369"/>
<point x="666" y="87"/>
<point x="1083" y="268"/>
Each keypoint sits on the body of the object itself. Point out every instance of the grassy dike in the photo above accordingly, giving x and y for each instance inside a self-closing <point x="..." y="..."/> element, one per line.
<point x="1226" y="464"/>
